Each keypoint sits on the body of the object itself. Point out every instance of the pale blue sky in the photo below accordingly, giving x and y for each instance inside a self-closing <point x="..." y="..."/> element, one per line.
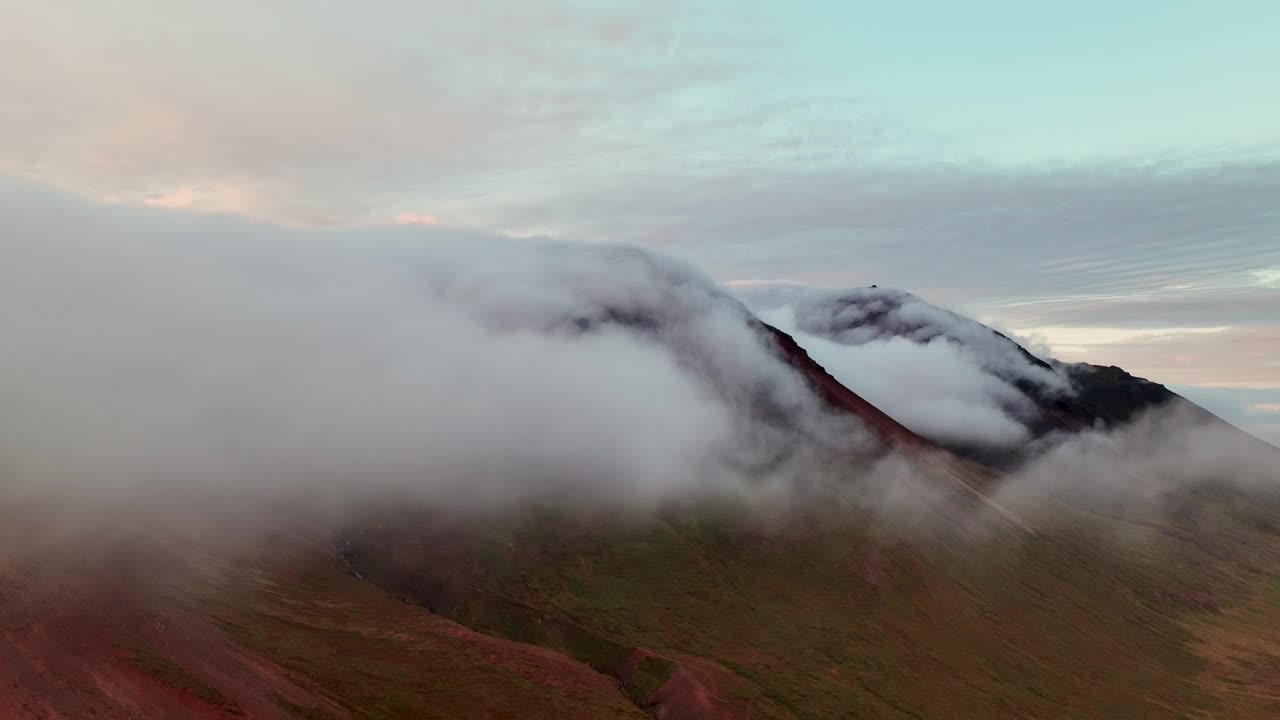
<point x="1022" y="82"/>
<point x="1101" y="177"/>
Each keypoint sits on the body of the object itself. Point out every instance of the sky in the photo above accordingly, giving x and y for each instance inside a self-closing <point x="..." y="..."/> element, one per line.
<point x="1100" y="179"/>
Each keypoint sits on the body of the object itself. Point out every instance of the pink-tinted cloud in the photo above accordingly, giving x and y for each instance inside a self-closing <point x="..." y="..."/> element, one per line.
<point x="183" y="198"/>
<point x="415" y="218"/>
<point x="1240" y="356"/>
<point x="349" y="111"/>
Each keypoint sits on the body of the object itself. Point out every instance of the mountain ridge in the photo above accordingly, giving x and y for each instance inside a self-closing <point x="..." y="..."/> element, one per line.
<point x="910" y="583"/>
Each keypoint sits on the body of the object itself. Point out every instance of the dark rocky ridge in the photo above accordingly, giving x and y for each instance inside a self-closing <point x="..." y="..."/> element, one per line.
<point x="1077" y="396"/>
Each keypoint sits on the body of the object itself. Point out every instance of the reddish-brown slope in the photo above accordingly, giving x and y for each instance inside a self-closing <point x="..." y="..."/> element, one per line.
<point x="83" y="634"/>
<point x="695" y="690"/>
<point x="839" y="396"/>
<point x="132" y="630"/>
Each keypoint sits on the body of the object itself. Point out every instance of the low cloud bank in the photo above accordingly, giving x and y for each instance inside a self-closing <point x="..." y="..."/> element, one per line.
<point x="1145" y="466"/>
<point x="944" y="376"/>
<point x="148" y="349"/>
<point x="151" y="352"/>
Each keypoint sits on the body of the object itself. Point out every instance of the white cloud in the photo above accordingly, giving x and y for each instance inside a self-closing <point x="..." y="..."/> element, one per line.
<point x="152" y="348"/>
<point x="413" y="218"/>
<point x="943" y="376"/>
<point x="1269" y="277"/>
<point x="1092" y="336"/>
<point x="1141" y="467"/>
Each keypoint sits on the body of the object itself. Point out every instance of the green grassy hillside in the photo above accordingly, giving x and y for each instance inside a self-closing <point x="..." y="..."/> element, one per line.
<point x="935" y="604"/>
<point x="834" y="610"/>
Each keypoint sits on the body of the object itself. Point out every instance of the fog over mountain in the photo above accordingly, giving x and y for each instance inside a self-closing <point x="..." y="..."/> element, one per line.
<point x="942" y="375"/>
<point x="146" y="348"/>
<point x="238" y="460"/>
<point x="633" y="360"/>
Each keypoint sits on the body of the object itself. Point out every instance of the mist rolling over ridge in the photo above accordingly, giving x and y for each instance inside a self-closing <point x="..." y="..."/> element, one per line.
<point x="622" y="360"/>
<point x="573" y="474"/>
<point x="151" y="350"/>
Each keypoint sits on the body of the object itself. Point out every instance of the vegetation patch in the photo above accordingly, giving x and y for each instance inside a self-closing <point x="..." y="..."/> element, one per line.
<point x="175" y="676"/>
<point x="650" y="675"/>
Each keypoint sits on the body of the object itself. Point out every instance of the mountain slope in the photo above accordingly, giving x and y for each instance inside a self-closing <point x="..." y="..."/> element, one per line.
<point x="833" y="611"/>
<point x="164" y="627"/>
<point x="901" y="583"/>
<point x="824" y="609"/>
<point x="1044" y="396"/>
<point x="953" y="597"/>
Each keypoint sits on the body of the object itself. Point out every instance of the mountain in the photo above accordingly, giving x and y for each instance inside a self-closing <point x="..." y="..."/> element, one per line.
<point x="1045" y="396"/>
<point x="901" y="579"/>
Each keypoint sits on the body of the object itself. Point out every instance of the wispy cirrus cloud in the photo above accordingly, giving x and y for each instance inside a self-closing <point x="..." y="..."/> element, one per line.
<point x="1239" y="357"/>
<point x="320" y="114"/>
